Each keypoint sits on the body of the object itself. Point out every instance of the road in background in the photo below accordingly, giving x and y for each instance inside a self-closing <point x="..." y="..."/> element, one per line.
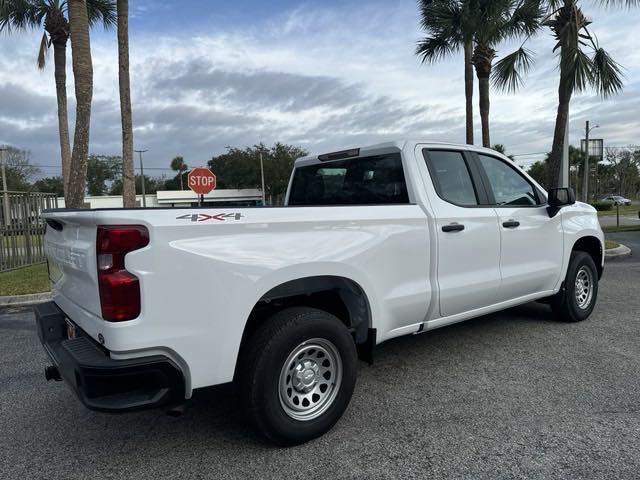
<point x="611" y="220"/>
<point x="515" y="394"/>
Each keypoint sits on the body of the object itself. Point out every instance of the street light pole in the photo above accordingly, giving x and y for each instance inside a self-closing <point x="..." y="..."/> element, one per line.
<point x="585" y="173"/>
<point x="144" y="198"/>
<point x="5" y="194"/>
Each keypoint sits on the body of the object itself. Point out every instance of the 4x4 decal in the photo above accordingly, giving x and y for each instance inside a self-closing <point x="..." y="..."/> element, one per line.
<point x="203" y="217"/>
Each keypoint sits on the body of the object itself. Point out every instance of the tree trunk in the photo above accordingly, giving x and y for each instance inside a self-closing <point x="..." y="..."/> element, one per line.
<point x="468" y="90"/>
<point x="485" y="105"/>
<point x="555" y="158"/>
<point x="128" y="175"/>
<point x="83" y="75"/>
<point x="60" y="67"/>
<point x="483" y="56"/>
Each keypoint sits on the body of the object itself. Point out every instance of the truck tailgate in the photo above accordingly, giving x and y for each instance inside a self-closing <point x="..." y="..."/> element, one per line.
<point x="70" y="245"/>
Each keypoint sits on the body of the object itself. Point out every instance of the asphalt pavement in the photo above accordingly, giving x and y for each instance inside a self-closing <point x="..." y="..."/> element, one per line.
<point x="509" y="395"/>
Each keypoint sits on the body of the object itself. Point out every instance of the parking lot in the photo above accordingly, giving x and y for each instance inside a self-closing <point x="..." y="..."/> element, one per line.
<point x="509" y="395"/>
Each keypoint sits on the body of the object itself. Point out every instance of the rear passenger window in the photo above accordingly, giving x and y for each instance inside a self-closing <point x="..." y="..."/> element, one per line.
<point x="357" y="181"/>
<point x="451" y="177"/>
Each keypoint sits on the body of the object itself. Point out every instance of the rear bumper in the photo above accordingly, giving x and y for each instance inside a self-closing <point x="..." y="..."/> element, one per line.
<point x="100" y="382"/>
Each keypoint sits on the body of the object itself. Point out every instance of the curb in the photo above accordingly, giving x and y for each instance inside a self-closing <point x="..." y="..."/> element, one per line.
<point x="18" y="300"/>
<point x="620" y="251"/>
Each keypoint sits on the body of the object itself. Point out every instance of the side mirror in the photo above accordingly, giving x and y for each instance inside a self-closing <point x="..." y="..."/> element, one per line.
<point x="558" y="198"/>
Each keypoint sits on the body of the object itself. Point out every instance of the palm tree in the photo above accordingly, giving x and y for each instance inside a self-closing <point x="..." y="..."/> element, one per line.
<point x="582" y="63"/>
<point x="178" y="165"/>
<point x="500" y="148"/>
<point x="449" y="26"/>
<point x="83" y="76"/>
<point x="499" y="20"/>
<point x="128" y="175"/>
<point x="478" y="26"/>
<point x="51" y="15"/>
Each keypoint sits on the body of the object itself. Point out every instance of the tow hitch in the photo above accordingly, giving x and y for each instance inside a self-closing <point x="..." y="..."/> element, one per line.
<point x="51" y="372"/>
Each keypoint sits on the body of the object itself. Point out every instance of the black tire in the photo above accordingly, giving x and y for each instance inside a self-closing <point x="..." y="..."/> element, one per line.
<point x="262" y="364"/>
<point x="565" y="304"/>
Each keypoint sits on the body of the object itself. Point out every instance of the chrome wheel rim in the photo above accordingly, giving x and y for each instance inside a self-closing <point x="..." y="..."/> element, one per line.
<point x="584" y="288"/>
<point x="310" y="379"/>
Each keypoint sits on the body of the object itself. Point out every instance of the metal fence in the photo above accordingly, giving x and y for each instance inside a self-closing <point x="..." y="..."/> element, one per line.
<point x="22" y="228"/>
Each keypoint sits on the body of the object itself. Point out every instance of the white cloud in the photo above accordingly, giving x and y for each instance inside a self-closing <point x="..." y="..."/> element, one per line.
<point x="323" y="77"/>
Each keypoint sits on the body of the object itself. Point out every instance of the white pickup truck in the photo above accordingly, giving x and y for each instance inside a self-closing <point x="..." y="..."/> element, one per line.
<point x="373" y="243"/>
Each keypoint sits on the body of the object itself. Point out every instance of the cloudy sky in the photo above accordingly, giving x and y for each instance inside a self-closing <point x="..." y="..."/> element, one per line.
<point x="323" y="75"/>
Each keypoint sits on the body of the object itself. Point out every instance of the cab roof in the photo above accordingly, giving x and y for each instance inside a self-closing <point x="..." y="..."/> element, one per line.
<point x="384" y="148"/>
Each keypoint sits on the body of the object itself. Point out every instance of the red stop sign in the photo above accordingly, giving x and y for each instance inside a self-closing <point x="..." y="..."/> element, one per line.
<point x="201" y="180"/>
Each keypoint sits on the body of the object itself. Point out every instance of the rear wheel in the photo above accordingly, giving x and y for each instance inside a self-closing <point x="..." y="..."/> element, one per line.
<point x="297" y="374"/>
<point x="577" y="299"/>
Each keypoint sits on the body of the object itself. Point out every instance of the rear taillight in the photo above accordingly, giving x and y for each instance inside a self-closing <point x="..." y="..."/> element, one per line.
<point x="119" y="289"/>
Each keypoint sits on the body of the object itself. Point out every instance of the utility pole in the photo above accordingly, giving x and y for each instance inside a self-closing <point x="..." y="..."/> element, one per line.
<point x="262" y="176"/>
<point x="144" y="198"/>
<point x="5" y="202"/>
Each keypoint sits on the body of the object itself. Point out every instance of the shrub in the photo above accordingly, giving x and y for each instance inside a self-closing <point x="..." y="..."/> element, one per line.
<point x="602" y="206"/>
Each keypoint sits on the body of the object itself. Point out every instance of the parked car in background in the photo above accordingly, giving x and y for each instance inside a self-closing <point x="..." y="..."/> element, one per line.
<point x="616" y="200"/>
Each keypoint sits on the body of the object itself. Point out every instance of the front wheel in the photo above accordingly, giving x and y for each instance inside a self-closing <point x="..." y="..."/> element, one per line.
<point x="577" y="299"/>
<point x="297" y="374"/>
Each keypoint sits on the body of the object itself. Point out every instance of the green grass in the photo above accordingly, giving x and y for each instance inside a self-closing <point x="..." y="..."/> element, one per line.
<point x="608" y="244"/>
<point x="624" y="210"/>
<point x="623" y="228"/>
<point x="34" y="279"/>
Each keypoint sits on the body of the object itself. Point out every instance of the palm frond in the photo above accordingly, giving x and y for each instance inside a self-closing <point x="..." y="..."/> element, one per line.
<point x="102" y="11"/>
<point x="620" y="3"/>
<point x="18" y="15"/>
<point x="432" y="49"/>
<point x="526" y="18"/>
<point x="576" y="69"/>
<point x="444" y="18"/>
<point x="42" y="52"/>
<point x="553" y="5"/>
<point x="508" y="72"/>
<point x="607" y="74"/>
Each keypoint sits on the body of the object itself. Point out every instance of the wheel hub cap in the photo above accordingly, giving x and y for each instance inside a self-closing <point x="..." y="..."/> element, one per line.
<point x="305" y="376"/>
<point x="584" y="288"/>
<point x="310" y="379"/>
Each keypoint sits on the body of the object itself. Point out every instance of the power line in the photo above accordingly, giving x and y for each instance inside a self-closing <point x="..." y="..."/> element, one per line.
<point x="60" y="168"/>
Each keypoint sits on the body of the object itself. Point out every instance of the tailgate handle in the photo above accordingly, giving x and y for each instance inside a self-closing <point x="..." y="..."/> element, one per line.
<point x="56" y="225"/>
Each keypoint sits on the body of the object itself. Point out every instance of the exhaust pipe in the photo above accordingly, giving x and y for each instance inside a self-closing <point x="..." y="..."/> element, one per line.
<point x="51" y="372"/>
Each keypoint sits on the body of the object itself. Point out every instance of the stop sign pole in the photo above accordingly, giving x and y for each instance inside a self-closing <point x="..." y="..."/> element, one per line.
<point x="201" y="180"/>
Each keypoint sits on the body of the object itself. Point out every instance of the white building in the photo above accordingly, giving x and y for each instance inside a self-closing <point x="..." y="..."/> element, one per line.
<point x="178" y="198"/>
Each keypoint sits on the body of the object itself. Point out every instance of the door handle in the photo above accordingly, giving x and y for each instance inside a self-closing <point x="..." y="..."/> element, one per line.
<point x="511" y="224"/>
<point x="453" y="227"/>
